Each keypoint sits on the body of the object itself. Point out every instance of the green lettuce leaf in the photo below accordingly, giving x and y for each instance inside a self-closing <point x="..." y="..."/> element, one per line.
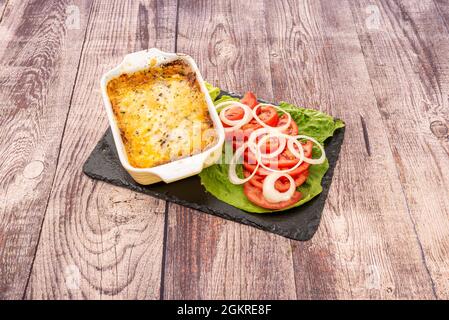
<point x="213" y="91"/>
<point x="310" y="122"/>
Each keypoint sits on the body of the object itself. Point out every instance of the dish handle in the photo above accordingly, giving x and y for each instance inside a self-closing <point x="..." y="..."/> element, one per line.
<point x="181" y="169"/>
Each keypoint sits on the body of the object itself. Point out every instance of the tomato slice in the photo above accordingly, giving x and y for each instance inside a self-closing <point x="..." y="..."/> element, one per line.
<point x="285" y="160"/>
<point x="251" y="125"/>
<point x="234" y="113"/>
<point x="301" y="178"/>
<point x="268" y="115"/>
<point x="270" y="145"/>
<point x="255" y="195"/>
<point x="234" y="135"/>
<point x="236" y="144"/>
<point x="256" y="180"/>
<point x="249" y="99"/>
<point x="264" y="172"/>
<point x="303" y="167"/>
<point x="242" y="134"/>
<point x="251" y="167"/>
<point x="307" y="148"/>
<point x="292" y="129"/>
<point x="281" y="185"/>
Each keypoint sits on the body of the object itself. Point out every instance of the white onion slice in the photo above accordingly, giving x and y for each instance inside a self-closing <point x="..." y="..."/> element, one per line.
<point x="229" y="122"/>
<point x="291" y="142"/>
<point x="320" y="160"/>
<point x="227" y="103"/>
<point x="300" y="157"/>
<point x="234" y="124"/>
<point x="281" y="128"/>
<point x="269" y="191"/>
<point x="256" y="134"/>
<point x="232" y="166"/>
<point x="282" y="142"/>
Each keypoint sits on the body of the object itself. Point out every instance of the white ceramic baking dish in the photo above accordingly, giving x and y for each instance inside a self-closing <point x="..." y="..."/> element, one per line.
<point x="178" y="169"/>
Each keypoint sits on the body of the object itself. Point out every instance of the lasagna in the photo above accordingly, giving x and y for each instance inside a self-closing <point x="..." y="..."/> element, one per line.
<point x="162" y="114"/>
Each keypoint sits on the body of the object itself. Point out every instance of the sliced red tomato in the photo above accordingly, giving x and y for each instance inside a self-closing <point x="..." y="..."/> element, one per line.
<point x="234" y="113"/>
<point x="242" y="134"/>
<point x="285" y="160"/>
<point x="251" y="126"/>
<point x="307" y="148"/>
<point x="268" y="115"/>
<point x="236" y="144"/>
<point x="301" y="178"/>
<point x="255" y="195"/>
<point x="264" y="172"/>
<point x="249" y="99"/>
<point x="251" y="167"/>
<point x="303" y="167"/>
<point x="270" y="145"/>
<point x="281" y="185"/>
<point x="234" y="135"/>
<point x="256" y="180"/>
<point x="292" y="129"/>
<point x="300" y="169"/>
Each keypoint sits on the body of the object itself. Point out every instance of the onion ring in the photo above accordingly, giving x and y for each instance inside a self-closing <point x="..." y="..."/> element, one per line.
<point x="269" y="191"/>
<point x="234" y="124"/>
<point x="281" y="128"/>
<point x="256" y="134"/>
<point x="232" y="174"/>
<point x="278" y="151"/>
<point x="301" y="157"/>
<point x="320" y="160"/>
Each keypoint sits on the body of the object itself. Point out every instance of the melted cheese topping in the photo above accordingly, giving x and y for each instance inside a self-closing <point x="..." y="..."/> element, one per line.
<point x="161" y="113"/>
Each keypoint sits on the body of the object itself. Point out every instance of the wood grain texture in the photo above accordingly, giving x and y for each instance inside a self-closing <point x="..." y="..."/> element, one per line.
<point x="39" y="57"/>
<point x="208" y="257"/>
<point x="99" y="241"/>
<point x="407" y="59"/>
<point x="3" y="4"/>
<point x="358" y="252"/>
<point x="442" y="7"/>
<point x="385" y="227"/>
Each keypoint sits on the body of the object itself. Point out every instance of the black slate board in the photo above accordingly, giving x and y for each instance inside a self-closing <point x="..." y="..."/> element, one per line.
<point x="298" y="223"/>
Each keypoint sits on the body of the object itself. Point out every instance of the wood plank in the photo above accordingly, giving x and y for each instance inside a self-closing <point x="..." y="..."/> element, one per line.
<point x="366" y="247"/>
<point x="407" y="58"/>
<point x="208" y="257"/>
<point x="100" y="241"/>
<point x="3" y="4"/>
<point x="442" y="6"/>
<point x="39" y="56"/>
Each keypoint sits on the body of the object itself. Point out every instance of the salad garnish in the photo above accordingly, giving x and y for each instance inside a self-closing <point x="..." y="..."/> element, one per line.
<point x="276" y="159"/>
<point x="274" y="153"/>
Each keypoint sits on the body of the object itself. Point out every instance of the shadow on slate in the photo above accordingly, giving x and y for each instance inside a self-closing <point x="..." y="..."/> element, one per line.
<point x="298" y="223"/>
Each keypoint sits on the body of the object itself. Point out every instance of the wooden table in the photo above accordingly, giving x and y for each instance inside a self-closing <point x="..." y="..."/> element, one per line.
<point x="382" y="66"/>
